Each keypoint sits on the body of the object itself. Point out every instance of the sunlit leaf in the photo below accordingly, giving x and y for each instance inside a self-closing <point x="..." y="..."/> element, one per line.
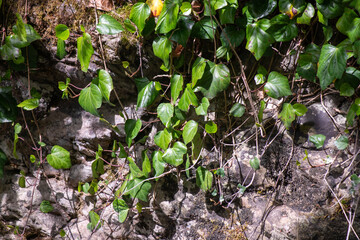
<point x="105" y="84"/>
<point x="29" y="104"/>
<point x="162" y="48"/>
<point x="211" y="127"/>
<point x="203" y="107"/>
<point x="62" y="32"/>
<point x="139" y="188"/>
<point x="139" y="13"/>
<point x="168" y="17"/>
<point x="174" y="155"/>
<point x="84" y="51"/>
<point x="188" y="98"/>
<point x="158" y="163"/>
<point x="277" y="85"/>
<point x="204" y="178"/>
<point x="258" y="40"/>
<point x="46" y="206"/>
<point x="176" y="87"/>
<point x="255" y="163"/>
<point x="132" y="129"/>
<point x="90" y="99"/>
<point x="342" y="142"/>
<point x="318" y="140"/>
<point x="59" y="158"/>
<point x="163" y="139"/>
<point x="189" y="131"/>
<point x="108" y="25"/>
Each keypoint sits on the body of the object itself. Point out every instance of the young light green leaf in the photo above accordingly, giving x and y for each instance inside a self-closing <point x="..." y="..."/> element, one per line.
<point x="176" y="87"/>
<point x="318" y="140"/>
<point x="45" y="206"/>
<point x="174" y="155"/>
<point x="258" y="40"/>
<point x="158" y="163"/>
<point x="90" y="99"/>
<point x="146" y="165"/>
<point x="62" y="32"/>
<point x="168" y="17"/>
<point x="139" y="13"/>
<point x="165" y="112"/>
<point x="342" y="142"/>
<point x="94" y="221"/>
<point x="29" y="104"/>
<point x="84" y="51"/>
<point x="22" y="182"/>
<point x="299" y="109"/>
<point x="59" y="158"/>
<point x="140" y="189"/>
<point x="185" y="8"/>
<point x="162" y="48"/>
<point x="277" y="85"/>
<point x="109" y="25"/>
<point x="203" y="107"/>
<point x="105" y="84"/>
<point x="189" y="131"/>
<point x="188" y="98"/>
<point x="211" y="127"/>
<point x="163" y="139"/>
<point x="287" y="115"/>
<point x="237" y="110"/>
<point x="255" y="163"/>
<point x="332" y="64"/>
<point x="132" y="128"/>
<point x="134" y="169"/>
<point x="60" y="50"/>
<point x="204" y="178"/>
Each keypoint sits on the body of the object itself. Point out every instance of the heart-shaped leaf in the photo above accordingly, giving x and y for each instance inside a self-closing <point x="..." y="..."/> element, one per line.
<point x="237" y="110"/>
<point x="204" y="178"/>
<point x="165" y="113"/>
<point x="134" y="169"/>
<point x="203" y="107"/>
<point x="132" y="129"/>
<point x="29" y="104"/>
<point x="140" y="189"/>
<point x="188" y="98"/>
<point x="94" y="221"/>
<point x="139" y="13"/>
<point x="122" y="208"/>
<point x="292" y="7"/>
<point x="174" y="155"/>
<point x="211" y="127"/>
<point x="162" y="48"/>
<point x="349" y="24"/>
<point x="62" y="32"/>
<point x="45" y="206"/>
<point x="163" y="139"/>
<point x="168" y="17"/>
<point x="147" y="94"/>
<point x="332" y="64"/>
<point x="90" y="99"/>
<point x="342" y="143"/>
<point x="189" y="131"/>
<point x="282" y="28"/>
<point x="307" y="15"/>
<point x="84" y="51"/>
<point x="258" y="40"/>
<point x="277" y="85"/>
<point x="287" y="115"/>
<point x="109" y="25"/>
<point x="59" y="158"/>
<point x="105" y="84"/>
<point x="318" y="140"/>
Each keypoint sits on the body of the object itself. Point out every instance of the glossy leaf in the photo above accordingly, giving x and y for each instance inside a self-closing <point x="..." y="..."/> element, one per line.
<point x="140" y="189"/>
<point x="163" y="139"/>
<point x="29" y="104"/>
<point x="307" y="15"/>
<point x="204" y="29"/>
<point x="158" y="163"/>
<point x="318" y="140"/>
<point x="189" y="131"/>
<point x="237" y="110"/>
<point x="59" y="158"/>
<point x="60" y="50"/>
<point x="182" y="31"/>
<point x="146" y="165"/>
<point x="174" y="155"/>
<point x="261" y="8"/>
<point x="168" y="17"/>
<point x="204" y="178"/>
<point x="330" y="8"/>
<point x="84" y="51"/>
<point x="227" y="14"/>
<point x="90" y="99"/>
<point x="255" y="163"/>
<point x="292" y="7"/>
<point x="139" y="13"/>
<point x="132" y="129"/>
<point x="211" y="127"/>
<point x="203" y="107"/>
<point x="147" y="94"/>
<point x="332" y="64"/>
<point x="108" y="25"/>
<point x="198" y="69"/>
<point x="188" y="98"/>
<point x="45" y="206"/>
<point x="258" y="40"/>
<point x="186" y="8"/>
<point x="22" y="182"/>
<point x="349" y="24"/>
<point x="233" y="34"/>
<point x="162" y="48"/>
<point x="62" y="32"/>
<point x="282" y="28"/>
<point x="165" y="112"/>
<point x="105" y="84"/>
<point x="176" y="87"/>
<point x="277" y="85"/>
<point x="342" y="142"/>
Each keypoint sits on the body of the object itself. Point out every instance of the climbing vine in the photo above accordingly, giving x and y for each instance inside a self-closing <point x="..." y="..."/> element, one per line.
<point x="210" y="50"/>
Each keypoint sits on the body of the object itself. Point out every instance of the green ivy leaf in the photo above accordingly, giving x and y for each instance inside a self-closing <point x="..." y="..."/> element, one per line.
<point x="282" y="28"/>
<point x="176" y="82"/>
<point x="349" y="24"/>
<point x="346" y="90"/>
<point x="255" y="163"/>
<point x="299" y="109"/>
<point x="204" y="29"/>
<point x="186" y="8"/>
<point x="59" y="158"/>
<point x="165" y="112"/>
<point x="218" y="4"/>
<point x="261" y="8"/>
<point x="318" y="140"/>
<point x="139" y="13"/>
<point x="277" y="85"/>
<point x="8" y="106"/>
<point x="147" y="94"/>
<point x="22" y="182"/>
<point x="307" y="15"/>
<point x="62" y="32"/>
<point x="94" y="221"/>
<point x="174" y="155"/>
<point x="189" y="131"/>
<point x="84" y="51"/>
<point x="134" y="169"/>
<point x="289" y="113"/>
<point x="141" y="191"/>
<point x="158" y="163"/>
<point x="330" y="8"/>
<point x="90" y="99"/>
<point x="9" y="52"/>
<point x="105" y="84"/>
<point x="162" y="48"/>
<point x="203" y="107"/>
<point x="211" y="127"/>
<point x="258" y="40"/>
<point x="332" y="64"/>
<point x="132" y="128"/>
<point x="122" y="208"/>
<point x="218" y="80"/>
<point x="45" y="206"/>
<point x="146" y="165"/>
<point x="29" y="104"/>
<point x="307" y="63"/>
<point x="198" y="69"/>
<point x="60" y="50"/>
<point x="109" y="25"/>
<point x="342" y="142"/>
<point x="168" y="17"/>
<point x="227" y="14"/>
<point x="233" y="34"/>
<point x="204" y="178"/>
<point x="19" y="29"/>
<point x="188" y="98"/>
<point x="183" y="30"/>
<point x="237" y="110"/>
<point x="196" y="146"/>
<point x="292" y="7"/>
